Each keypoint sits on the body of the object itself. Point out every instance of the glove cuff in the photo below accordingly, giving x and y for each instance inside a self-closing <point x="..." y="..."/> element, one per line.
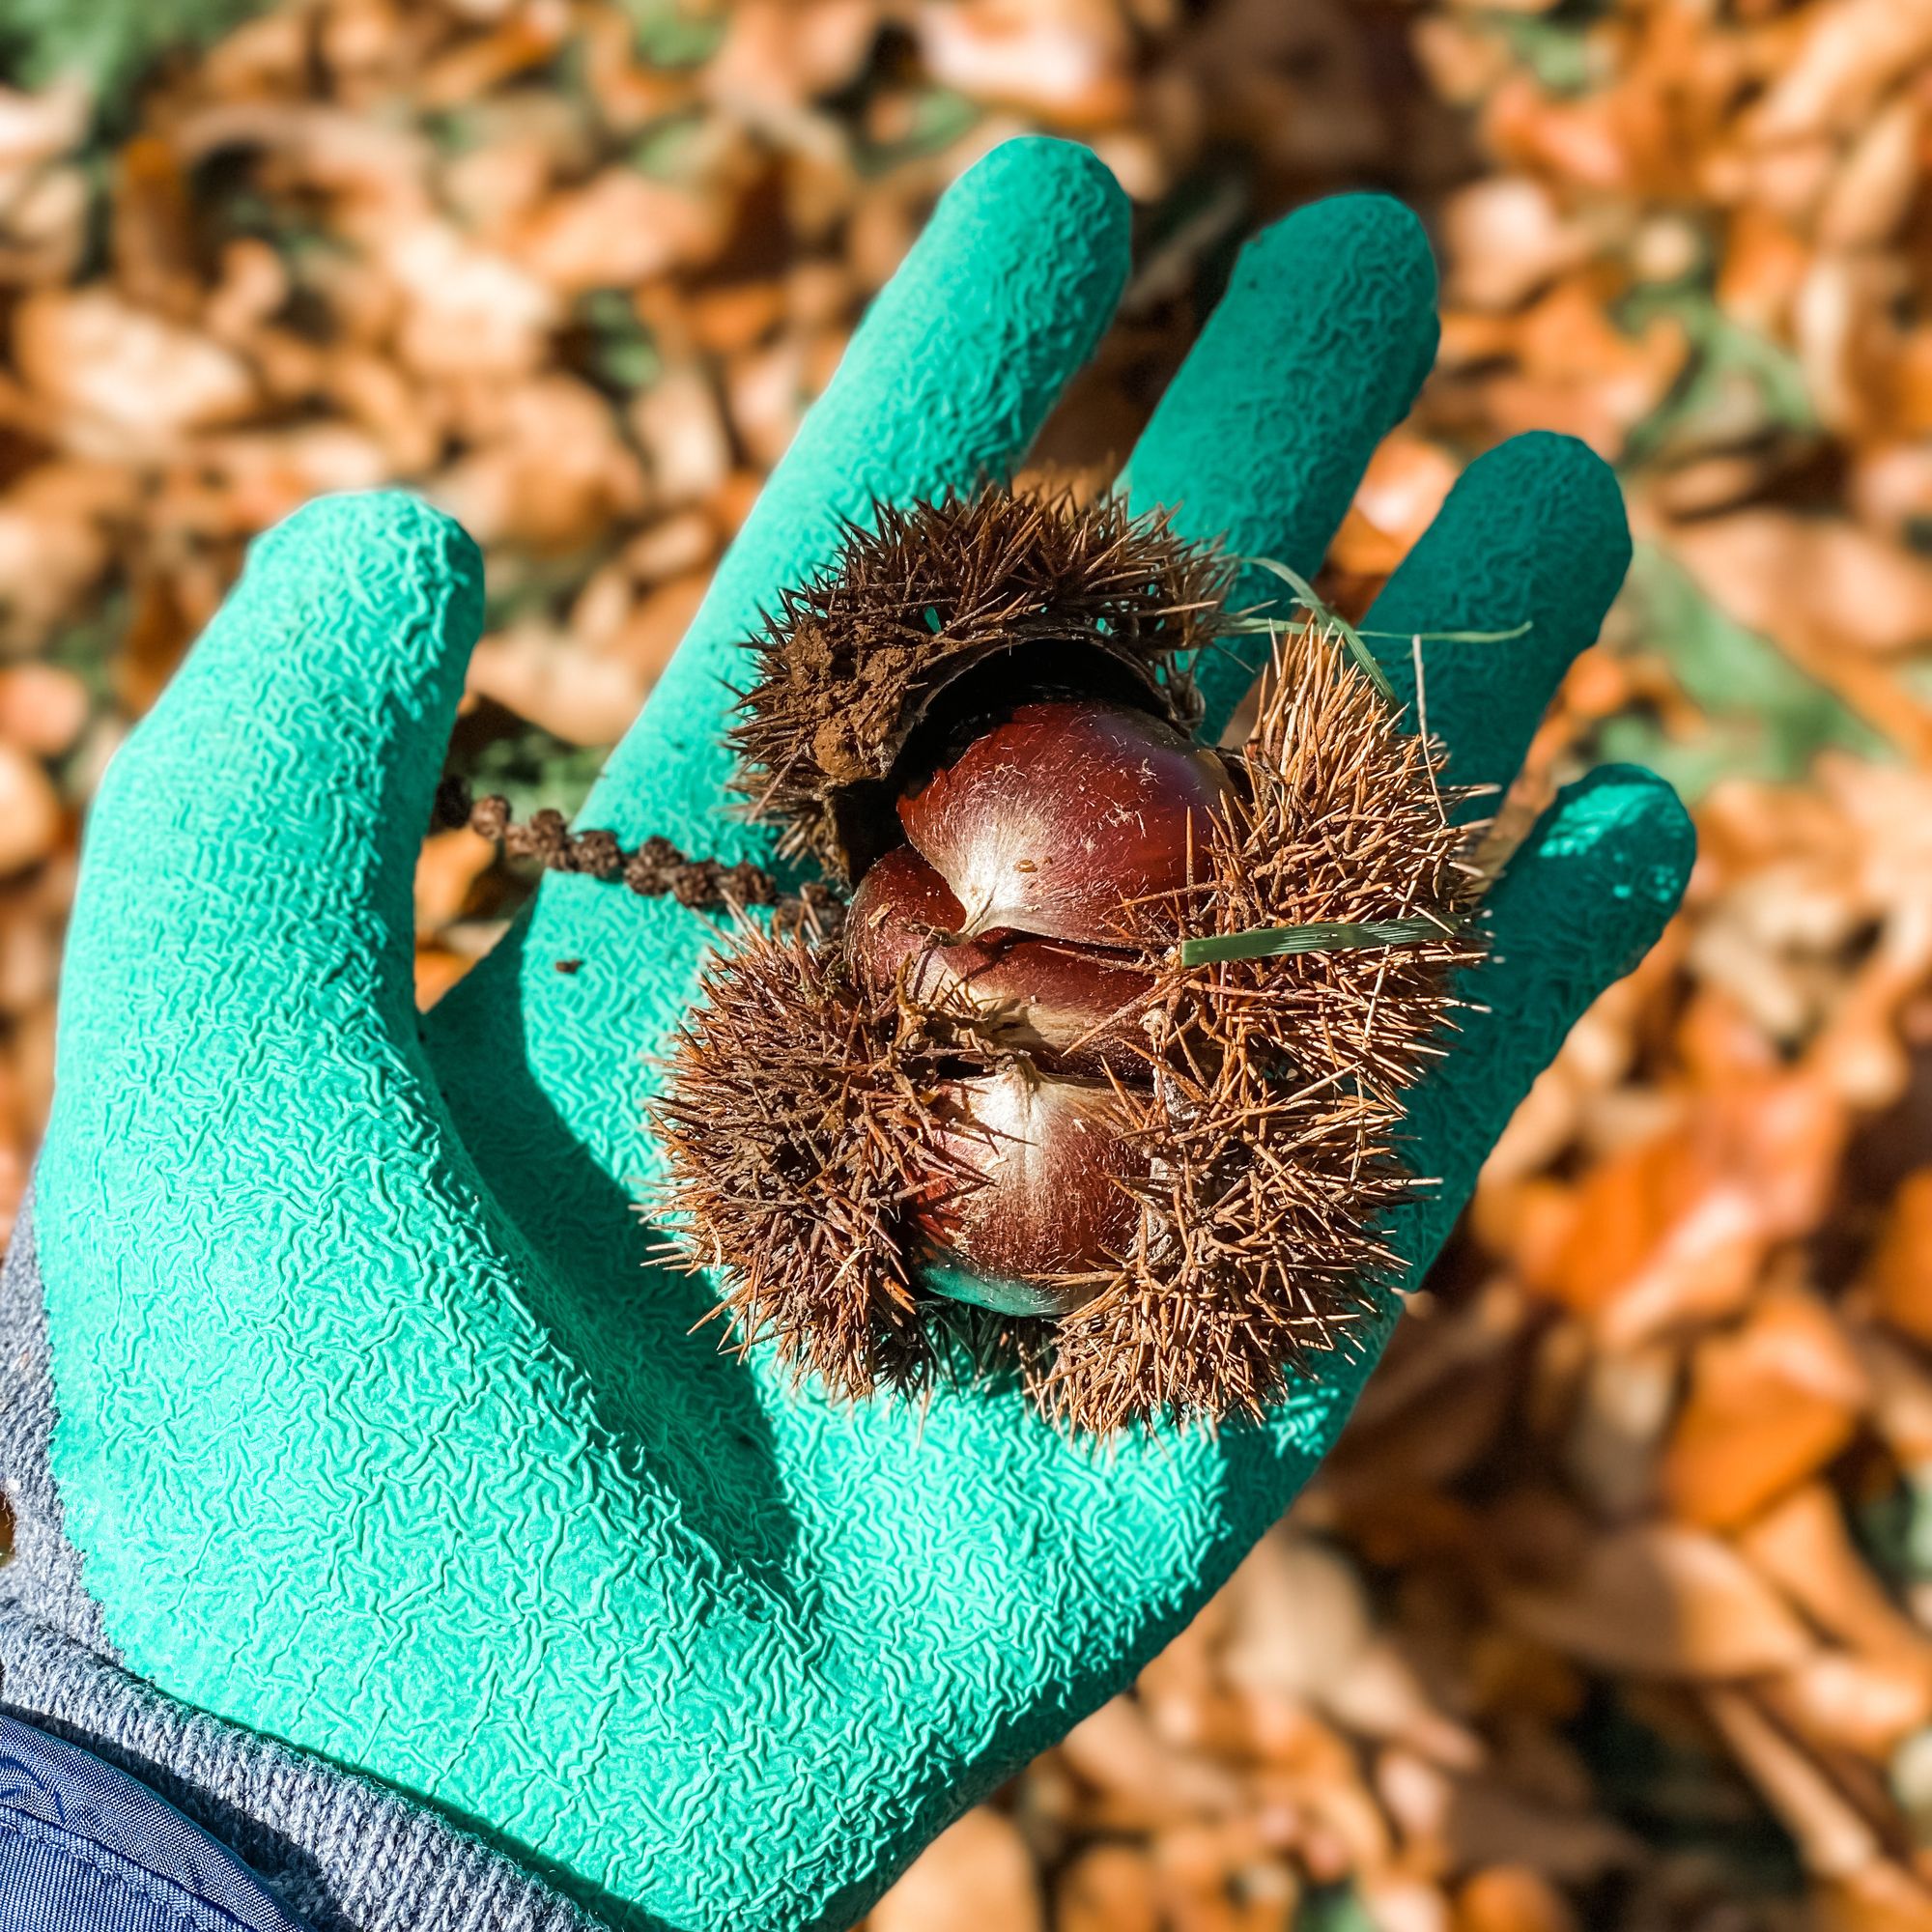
<point x="341" y="1851"/>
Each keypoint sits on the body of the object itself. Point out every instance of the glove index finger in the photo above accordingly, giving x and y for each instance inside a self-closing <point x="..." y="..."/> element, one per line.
<point x="946" y="383"/>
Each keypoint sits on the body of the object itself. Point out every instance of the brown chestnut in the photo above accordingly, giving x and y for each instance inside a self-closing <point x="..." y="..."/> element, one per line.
<point x="1071" y="819"/>
<point x="1046" y="1197"/>
<point x="1076" y="1009"/>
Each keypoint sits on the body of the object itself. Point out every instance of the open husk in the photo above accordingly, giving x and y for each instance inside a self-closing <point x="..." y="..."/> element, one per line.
<point x="809" y="1123"/>
<point x="1035" y="588"/>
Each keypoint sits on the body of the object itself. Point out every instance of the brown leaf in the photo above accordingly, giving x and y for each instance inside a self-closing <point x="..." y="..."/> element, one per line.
<point x="678" y="422"/>
<point x="542" y="675"/>
<point x="1662" y="1219"/>
<point x="449" y="864"/>
<point x="619" y="228"/>
<point x="1881" y="1897"/>
<point x="1868" y="1705"/>
<point x="40" y="126"/>
<point x="1804" y="1547"/>
<point x="1851" y="53"/>
<point x="1512" y="1898"/>
<point x="1508" y="238"/>
<point x="122" y="383"/>
<point x="1660" y="1601"/>
<point x="1143" y="1782"/>
<point x="1832" y="1838"/>
<point x="1899" y="1272"/>
<point x="1784" y="574"/>
<point x="1901" y="1397"/>
<point x="30" y="812"/>
<point x="656" y="624"/>
<point x="779" y="55"/>
<point x="43" y="708"/>
<point x="1107" y="1888"/>
<point x="437" y="970"/>
<point x="1299" y="1627"/>
<point x="1066" y="58"/>
<point x="1875" y="189"/>
<point x="1623" y="1410"/>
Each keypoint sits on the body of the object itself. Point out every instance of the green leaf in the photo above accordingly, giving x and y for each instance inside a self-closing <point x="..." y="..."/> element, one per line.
<point x="1724" y="356"/>
<point x="533" y="769"/>
<point x="670" y="147"/>
<point x="1555" y="47"/>
<point x="1334" y="1908"/>
<point x="937" y="118"/>
<point x="670" y="35"/>
<point x="110" y="43"/>
<point x="621" y="351"/>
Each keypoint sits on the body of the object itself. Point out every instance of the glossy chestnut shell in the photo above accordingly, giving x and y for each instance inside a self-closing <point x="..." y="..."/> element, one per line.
<point x="1048" y="1197"/>
<point x="1075" y="1009"/>
<point x="1050" y="853"/>
<point x="1070" y="820"/>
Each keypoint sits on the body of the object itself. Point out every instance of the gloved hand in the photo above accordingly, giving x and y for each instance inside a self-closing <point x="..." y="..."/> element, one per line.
<point x="381" y="1428"/>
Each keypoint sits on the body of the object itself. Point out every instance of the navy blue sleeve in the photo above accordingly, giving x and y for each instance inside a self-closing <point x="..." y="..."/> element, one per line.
<point x="85" y="1848"/>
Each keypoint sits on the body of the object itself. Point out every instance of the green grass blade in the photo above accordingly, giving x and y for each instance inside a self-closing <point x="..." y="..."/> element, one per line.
<point x="1306" y="596"/>
<point x="1267" y="942"/>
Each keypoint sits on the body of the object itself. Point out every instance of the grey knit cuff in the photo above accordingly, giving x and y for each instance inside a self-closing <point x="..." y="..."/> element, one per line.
<point x="338" y="1850"/>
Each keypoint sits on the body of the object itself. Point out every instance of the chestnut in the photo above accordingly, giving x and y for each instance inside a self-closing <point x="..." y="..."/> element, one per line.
<point x="1070" y="819"/>
<point x="1045" y="1206"/>
<point x="1076" y="1009"/>
<point x="1048" y="861"/>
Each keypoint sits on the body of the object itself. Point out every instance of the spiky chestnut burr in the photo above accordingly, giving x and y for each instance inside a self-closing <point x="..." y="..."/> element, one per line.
<point x="983" y="600"/>
<point x="1175" y="1193"/>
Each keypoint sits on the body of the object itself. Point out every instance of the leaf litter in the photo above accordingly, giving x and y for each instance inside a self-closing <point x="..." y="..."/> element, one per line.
<point x="1614" y="1607"/>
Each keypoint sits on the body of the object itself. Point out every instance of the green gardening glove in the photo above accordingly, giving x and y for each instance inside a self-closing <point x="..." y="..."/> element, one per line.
<point x="383" y="1429"/>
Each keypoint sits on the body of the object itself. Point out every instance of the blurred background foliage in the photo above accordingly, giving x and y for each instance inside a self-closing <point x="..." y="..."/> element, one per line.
<point x="1615" y="1607"/>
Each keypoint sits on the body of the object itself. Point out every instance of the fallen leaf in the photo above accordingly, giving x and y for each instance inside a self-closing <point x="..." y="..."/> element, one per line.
<point x="1068" y="58"/>
<point x="1901" y="1270"/>
<point x="1804" y="1547"/>
<point x="975" y="1874"/>
<point x="1661" y="1600"/>
<point x="30" y="811"/>
<point x="1143" y="1782"/>
<point x="1108" y="1889"/>
<point x="1850" y="52"/>
<point x="43" y="708"/>
<point x="1512" y="1898"/>
<point x="123" y="385"/>
<point x="1836" y="1701"/>
<point x="536" y="672"/>
<point x="1770" y="1403"/>
<point x="1835" y="1841"/>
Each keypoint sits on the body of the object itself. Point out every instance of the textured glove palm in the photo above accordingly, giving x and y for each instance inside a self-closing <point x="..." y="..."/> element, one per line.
<point x="380" y="1430"/>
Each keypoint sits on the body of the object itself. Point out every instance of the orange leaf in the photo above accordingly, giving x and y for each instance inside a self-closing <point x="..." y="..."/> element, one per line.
<point x="1659" y="1600"/>
<point x="1769" y="1406"/>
